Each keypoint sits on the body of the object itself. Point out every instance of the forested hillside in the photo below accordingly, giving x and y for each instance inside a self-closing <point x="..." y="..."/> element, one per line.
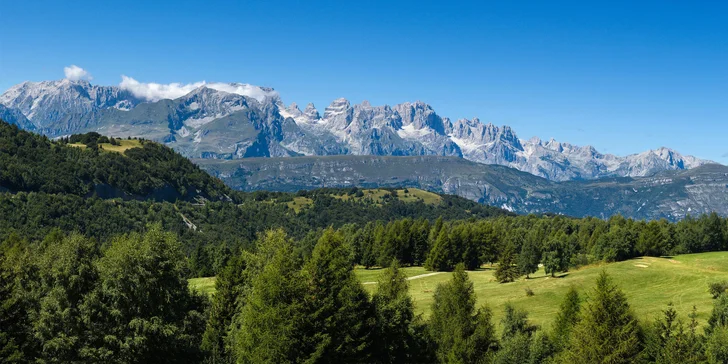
<point x="89" y="276"/>
<point x="33" y="163"/>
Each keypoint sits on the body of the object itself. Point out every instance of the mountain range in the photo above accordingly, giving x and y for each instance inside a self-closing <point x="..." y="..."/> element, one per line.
<point x="233" y="121"/>
<point x="668" y="194"/>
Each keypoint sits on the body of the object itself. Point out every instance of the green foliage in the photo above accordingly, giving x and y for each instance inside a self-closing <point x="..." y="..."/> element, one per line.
<point x="607" y="332"/>
<point x="140" y="276"/>
<point x="229" y="286"/>
<point x="667" y="341"/>
<point x="718" y="288"/>
<point x="716" y="347"/>
<point x="337" y="309"/>
<point x="66" y="279"/>
<point x="566" y="319"/>
<point x="460" y="333"/>
<point x="507" y="271"/>
<point x="394" y="339"/>
<point x="529" y="258"/>
<point x="29" y="162"/>
<point x="271" y="325"/>
<point x="515" y="322"/>
<point x="719" y="315"/>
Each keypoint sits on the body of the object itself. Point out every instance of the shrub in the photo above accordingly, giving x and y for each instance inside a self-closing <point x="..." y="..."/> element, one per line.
<point x="718" y="288"/>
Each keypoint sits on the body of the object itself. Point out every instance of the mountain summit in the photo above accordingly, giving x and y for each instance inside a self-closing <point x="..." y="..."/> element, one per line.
<point x="228" y="121"/>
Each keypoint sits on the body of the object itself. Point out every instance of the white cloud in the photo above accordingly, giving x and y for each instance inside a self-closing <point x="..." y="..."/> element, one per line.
<point x="156" y="91"/>
<point x="75" y="73"/>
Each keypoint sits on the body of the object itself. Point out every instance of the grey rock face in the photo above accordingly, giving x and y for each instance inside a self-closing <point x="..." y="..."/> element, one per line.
<point x="219" y="123"/>
<point x="669" y="194"/>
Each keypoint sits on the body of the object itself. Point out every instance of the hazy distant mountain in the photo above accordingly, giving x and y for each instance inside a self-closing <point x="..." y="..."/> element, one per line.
<point x="220" y="122"/>
<point x="668" y="194"/>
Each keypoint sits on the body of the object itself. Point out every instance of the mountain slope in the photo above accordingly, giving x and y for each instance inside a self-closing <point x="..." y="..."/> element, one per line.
<point x="231" y="121"/>
<point x="671" y="194"/>
<point x="32" y="163"/>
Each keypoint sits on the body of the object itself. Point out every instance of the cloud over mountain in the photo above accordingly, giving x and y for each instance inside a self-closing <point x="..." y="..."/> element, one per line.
<point x="155" y="91"/>
<point x="76" y="73"/>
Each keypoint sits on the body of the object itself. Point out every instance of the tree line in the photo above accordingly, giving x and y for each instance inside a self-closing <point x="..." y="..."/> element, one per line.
<point x="519" y="244"/>
<point x="68" y="300"/>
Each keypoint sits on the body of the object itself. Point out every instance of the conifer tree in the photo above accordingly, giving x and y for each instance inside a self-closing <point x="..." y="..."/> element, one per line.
<point x="515" y="337"/>
<point x="67" y="276"/>
<point x="13" y="316"/>
<point x="506" y="270"/>
<point x="529" y="258"/>
<point x="440" y="257"/>
<point x="566" y="319"/>
<point x="223" y="306"/>
<point x="271" y="328"/>
<point x="460" y="333"/>
<point x="394" y="313"/>
<point x="336" y="306"/>
<point x="668" y="342"/>
<point x="140" y="275"/>
<point x="719" y="315"/>
<point x="607" y="332"/>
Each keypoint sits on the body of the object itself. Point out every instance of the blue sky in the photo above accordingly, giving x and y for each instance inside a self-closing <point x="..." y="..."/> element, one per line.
<point x="622" y="76"/>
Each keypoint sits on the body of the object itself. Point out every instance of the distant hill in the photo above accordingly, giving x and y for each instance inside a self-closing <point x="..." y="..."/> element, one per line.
<point x="669" y="194"/>
<point x="91" y="164"/>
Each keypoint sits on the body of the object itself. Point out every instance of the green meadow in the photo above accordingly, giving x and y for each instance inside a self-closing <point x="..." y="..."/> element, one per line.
<point x="649" y="283"/>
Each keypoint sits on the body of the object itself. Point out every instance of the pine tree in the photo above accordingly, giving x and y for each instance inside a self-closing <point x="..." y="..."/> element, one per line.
<point x="515" y="337"/>
<point x="12" y="312"/>
<point x="668" y="342"/>
<point x="506" y="270"/>
<point x="394" y="312"/>
<point x="515" y="322"/>
<point x="461" y="334"/>
<point x="607" y="332"/>
<point x="566" y="319"/>
<point x="271" y="326"/>
<point x="67" y="276"/>
<point x="719" y="315"/>
<point x="140" y="275"/>
<point x="229" y="286"/>
<point x="529" y="258"/>
<point x="716" y="347"/>
<point x="337" y="309"/>
<point x="440" y="257"/>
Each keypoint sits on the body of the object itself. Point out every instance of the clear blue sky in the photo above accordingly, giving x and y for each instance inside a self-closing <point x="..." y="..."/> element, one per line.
<point x="622" y="76"/>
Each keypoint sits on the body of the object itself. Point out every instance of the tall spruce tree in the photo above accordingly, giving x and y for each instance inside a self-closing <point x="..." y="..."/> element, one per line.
<point x="337" y="308"/>
<point x="460" y="333"/>
<point x="223" y="306"/>
<point x="395" y="318"/>
<point x="566" y="319"/>
<point x="67" y="276"/>
<point x="607" y="332"/>
<point x="271" y="326"/>
<point x="668" y="342"/>
<point x="506" y="270"/>
<point x="529" y="258"/>
<point x="441" y="254"/>
<point x="141" y="274"/>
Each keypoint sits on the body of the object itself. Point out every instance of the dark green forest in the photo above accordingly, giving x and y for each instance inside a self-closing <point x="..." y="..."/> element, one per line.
<point x="66" y="299"/>
<point x="96" y="248"/>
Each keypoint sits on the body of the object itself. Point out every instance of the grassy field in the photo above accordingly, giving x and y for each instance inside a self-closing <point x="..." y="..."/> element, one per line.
<point x="300" y="203"/>
<point x="649" y="283"/>
<point x="123" y="146"/>
<point x="204" y="285"/>
<point x="411" y="195"/>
